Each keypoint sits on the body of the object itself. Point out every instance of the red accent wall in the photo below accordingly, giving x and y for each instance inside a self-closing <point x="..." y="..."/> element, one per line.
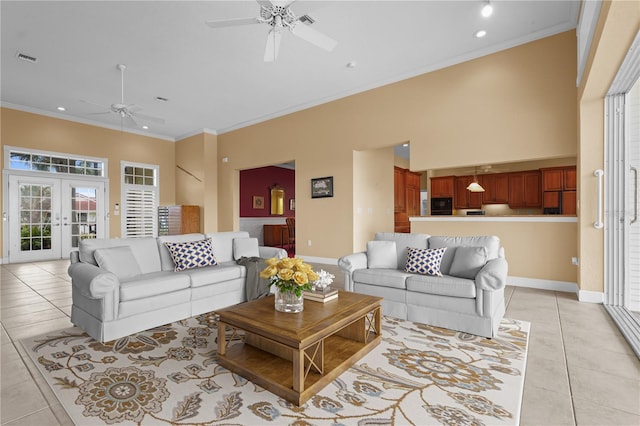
<point x="258" y="181"/>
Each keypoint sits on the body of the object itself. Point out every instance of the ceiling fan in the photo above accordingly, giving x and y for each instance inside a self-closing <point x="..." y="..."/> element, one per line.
<point x="128" y="113"/>
<point x="278" y="15"/>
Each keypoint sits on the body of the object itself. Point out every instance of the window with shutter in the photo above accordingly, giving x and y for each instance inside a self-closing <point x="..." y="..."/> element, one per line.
<point x="139" y="200"/>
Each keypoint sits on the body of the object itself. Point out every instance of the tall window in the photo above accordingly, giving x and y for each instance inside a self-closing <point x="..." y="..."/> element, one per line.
<point x="139" y="200"/>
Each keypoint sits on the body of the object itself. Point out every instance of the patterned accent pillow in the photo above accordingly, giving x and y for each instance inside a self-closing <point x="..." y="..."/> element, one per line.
<point x="425" y="261"/>
<point x="192" y="254"/>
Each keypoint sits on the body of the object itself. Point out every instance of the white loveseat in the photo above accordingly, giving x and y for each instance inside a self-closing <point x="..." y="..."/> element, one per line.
<point x="123" y="286"/>
<point x="468" y="297"/>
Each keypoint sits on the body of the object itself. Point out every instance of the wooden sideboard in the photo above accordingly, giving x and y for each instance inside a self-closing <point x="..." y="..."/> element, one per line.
<point x="275" y="235"/>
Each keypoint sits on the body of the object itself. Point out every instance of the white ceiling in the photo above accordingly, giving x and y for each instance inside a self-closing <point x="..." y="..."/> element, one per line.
<point x="215" y="79"/>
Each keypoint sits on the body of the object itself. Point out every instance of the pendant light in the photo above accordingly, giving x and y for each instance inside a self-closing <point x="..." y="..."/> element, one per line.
<point x="475" y="186"/>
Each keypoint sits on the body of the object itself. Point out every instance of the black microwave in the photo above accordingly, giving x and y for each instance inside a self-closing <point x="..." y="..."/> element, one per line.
<point x="441" y="206"/>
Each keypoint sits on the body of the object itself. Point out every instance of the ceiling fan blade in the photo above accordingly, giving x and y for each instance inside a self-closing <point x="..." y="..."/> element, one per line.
<point x="232" y="22"/>
<point x="133" y="108"/>
<point x="130" y="121"/>
<point x="144" y="117"/>
<point x="273" y="45"/>
<point x="307" y="33"/>
<point x="100" y="105"/>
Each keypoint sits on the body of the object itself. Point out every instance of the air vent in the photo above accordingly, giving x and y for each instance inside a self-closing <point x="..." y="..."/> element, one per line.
<point x="306" y="19"/>
<point x="27" y="58"/>
<point x="161" y="99"/>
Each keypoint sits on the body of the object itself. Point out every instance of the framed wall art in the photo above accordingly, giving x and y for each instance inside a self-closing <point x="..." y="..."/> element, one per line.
<point x="258" y="202"/>
<point x="322" y="187"/>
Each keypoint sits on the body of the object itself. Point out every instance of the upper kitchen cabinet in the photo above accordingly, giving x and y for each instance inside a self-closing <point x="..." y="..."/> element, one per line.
<point x="559" y="178"/>
<point x="524" y="190"/>
<point x="442" y="187"/>
<point x="462" y="197"/>
<point x="496" y="188"/>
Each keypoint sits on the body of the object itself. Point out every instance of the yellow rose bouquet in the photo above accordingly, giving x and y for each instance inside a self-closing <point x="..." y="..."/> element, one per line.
<point x="289" y="274"/>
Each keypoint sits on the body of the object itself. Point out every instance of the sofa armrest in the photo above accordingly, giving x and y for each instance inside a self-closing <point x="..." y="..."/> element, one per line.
<point x="95" y="283"/>
<point x="350" y="263"/>
<point x="269" y="252"/>
<point x="493" y="275"/>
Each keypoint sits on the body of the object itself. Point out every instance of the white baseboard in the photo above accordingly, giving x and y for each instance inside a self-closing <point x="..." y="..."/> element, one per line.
<point x="591" y="296"/>
<point x="565" y="286"/>
<point x="321" y="260"/>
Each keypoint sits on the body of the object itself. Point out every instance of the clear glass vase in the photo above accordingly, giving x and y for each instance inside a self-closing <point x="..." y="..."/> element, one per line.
<point x="287" y="301"/>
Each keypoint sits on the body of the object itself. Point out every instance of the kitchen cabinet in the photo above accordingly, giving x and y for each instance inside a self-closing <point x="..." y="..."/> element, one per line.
<point x="399" y="184"/>
<point x="406" y="191"/>
<point x="569" y="203"/>
<point x="442" y="187"/>
<point x="176" y="220"/>
<point x="559" y="189"/>
<point x="275" y="235"/>
<point x="524" y="190"/>
<point x="462" y="197"/>
<point x="559" y="178"/>
<point x="496" y="188"/>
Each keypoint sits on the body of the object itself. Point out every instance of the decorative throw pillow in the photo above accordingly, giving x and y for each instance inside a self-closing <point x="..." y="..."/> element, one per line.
<point x="118" y="260"/>
<point x="468" y="261"/>
<point x="192" y="254"/>
<point x="425" y="261"/>
<point x="245" y="247"/>
<point x="382" y="254"/>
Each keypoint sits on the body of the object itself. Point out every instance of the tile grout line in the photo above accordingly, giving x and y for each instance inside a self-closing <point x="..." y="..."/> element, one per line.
<point x="564" y="356"/>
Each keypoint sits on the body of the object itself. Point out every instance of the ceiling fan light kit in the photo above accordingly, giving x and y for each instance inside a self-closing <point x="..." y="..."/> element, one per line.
<point x="280" y="16"/>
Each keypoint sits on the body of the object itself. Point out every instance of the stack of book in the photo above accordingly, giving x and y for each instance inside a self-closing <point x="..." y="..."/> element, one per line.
<point x="320" y="296"/>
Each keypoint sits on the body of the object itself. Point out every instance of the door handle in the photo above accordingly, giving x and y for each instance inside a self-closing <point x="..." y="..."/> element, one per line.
<point x="598" y="223"/>
<point x="55" y="224"/>
<point x="635" y="195"/>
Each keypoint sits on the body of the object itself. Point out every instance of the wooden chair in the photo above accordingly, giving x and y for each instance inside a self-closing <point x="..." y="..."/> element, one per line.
<point x="291" y="230"/>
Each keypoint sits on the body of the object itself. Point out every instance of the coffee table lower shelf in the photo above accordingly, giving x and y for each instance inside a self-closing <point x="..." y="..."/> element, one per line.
<point x="276" y="374"/>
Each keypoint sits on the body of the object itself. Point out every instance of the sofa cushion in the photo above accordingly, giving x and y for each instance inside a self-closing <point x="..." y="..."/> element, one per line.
<point x="382" y="277"/>
<point x="207" y="276"/>
<point x="145" y="250"/>
<point x="382" y="254"/>
<point x="425" y="261"/>
<point x="152" y="284"/>
<point x="468" y="261"/>
<point x="442" y="286"/>
<point x="193" y="254"/>
<point x="118" y="260"/>
<point x="492" y="243"/>
<point x="403" y="242"/>
<point x="223" y="244"/>
<point x="245" y="247"/>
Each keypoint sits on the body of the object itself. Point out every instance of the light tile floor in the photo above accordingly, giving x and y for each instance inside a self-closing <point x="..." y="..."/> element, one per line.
<point x="580" y="370"/>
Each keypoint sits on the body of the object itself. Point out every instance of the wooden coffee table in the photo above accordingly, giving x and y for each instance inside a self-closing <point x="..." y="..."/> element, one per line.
<point x="296" y="355"/>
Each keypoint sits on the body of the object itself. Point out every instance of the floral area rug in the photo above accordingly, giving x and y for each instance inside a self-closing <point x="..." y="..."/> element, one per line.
<point x="418" y="375"/>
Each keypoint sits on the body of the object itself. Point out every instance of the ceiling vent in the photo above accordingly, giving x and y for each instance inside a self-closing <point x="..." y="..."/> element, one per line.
<point x="306" y="19"/>
<point x="27" y="58"/>
<point x="161" y="99"/>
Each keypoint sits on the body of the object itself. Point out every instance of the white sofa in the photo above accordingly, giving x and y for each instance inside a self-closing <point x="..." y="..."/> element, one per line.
<point x="123" y="286"/>
<point x="468" y="297"/>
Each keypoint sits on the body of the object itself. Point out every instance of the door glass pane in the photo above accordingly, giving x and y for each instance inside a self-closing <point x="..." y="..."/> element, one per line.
<point x="35" y="216"/>
<point x="83" y="212"/>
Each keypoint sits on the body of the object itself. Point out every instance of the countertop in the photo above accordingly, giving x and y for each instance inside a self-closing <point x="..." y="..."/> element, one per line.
<point x="513" y="218"/>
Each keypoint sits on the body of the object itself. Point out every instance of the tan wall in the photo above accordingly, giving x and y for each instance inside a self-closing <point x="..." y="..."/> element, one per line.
<point x="453" y="117"/>
<point x="190" y="184"/>
<point x="210" y="212"/>
<point x="618" y="24"/>
<point x="373" y="200"/>
<point x="538" y="250"/>
<point x="32" y="131"/>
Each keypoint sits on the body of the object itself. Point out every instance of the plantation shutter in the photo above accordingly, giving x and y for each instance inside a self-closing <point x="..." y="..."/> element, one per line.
<point x="140" y="213"/>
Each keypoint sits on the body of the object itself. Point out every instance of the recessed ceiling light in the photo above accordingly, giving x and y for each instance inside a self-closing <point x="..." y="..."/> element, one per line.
<point x="487" y="10"/>
<point x="352" y="64"/>
<point x="145" y="127"/>
<point x="480" y="33"/>
<point x="61" y="108"/>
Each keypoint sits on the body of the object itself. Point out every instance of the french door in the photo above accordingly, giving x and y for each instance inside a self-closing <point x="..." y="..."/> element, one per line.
<point x="49" y="216"/>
